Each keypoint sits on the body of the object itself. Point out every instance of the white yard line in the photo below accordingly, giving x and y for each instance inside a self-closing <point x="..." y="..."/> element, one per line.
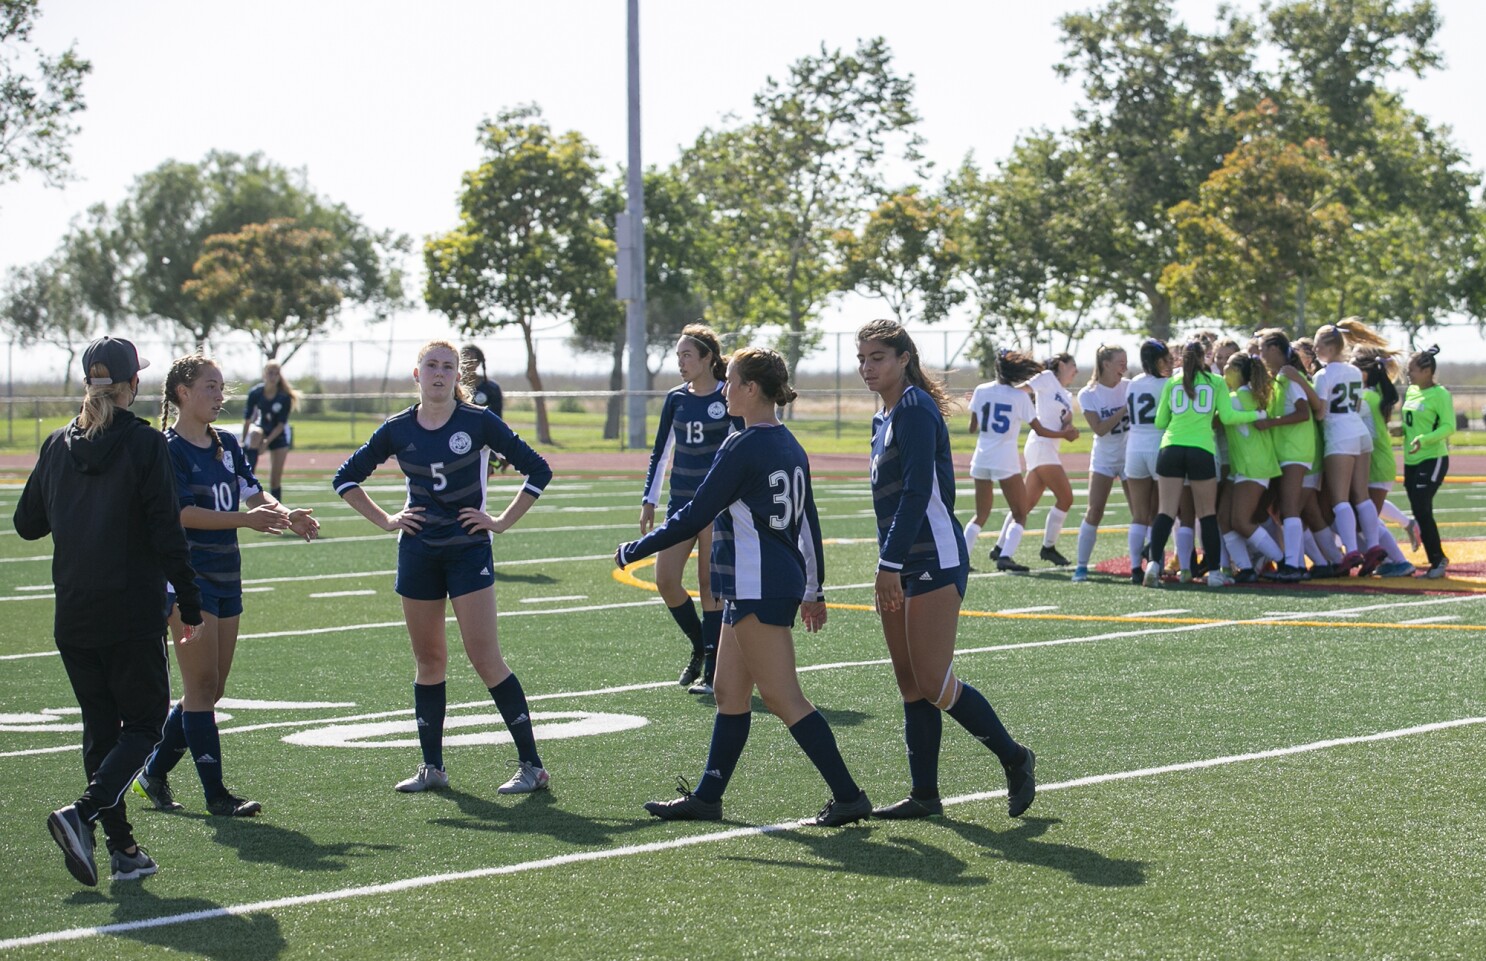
<point x="671" y="844"/>
<point x="325" y="594"/>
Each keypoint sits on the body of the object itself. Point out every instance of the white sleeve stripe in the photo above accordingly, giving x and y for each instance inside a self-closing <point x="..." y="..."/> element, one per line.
<point x="652" y="495"/>
<point x="882" y="562"/>
<point x="535" y="490"/>
<point x="346" y="486"/>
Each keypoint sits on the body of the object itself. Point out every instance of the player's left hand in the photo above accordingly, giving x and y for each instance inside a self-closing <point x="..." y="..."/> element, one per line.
<point x="473" y="519"/>
<point x="304" y="524"/>
<point x="619" y="555"/>
<point x="813" y="614"/>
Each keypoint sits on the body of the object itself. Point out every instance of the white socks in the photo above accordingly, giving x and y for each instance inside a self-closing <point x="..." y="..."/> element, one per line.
<point x="1135" y="541"/>
<point x="972" y="531"/>
<point x="1237" y="551"/>
<point x="1053" y="527"/>
<point x="1391" y="512"/>
<point x="1345" y="525"/>
<point x="1294" y="542"/>
<point x="1367" y="519"/>
<point x="1087" y="535"/>
<point x="1385" y="538"/>
<point x="1013" y="539"/>
<point x="1185" y="541"/>
<point x="1265" y="545"/>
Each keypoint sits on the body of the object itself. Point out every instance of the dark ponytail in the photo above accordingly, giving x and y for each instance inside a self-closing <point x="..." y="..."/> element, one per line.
<point x="892" y="334"/>
<point x="1194" y="361"/>
<point x="765" y="367"/>
<point x="1151" y="353"/>
<point x="706" y="341"/>
<point x="1014" y="367"/>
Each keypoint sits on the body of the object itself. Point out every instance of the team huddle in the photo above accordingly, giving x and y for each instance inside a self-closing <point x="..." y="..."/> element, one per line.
<point x="1274" y="453"/>
<point x="1270" y="453"/>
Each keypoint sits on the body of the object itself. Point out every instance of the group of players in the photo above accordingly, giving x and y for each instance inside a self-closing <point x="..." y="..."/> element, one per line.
<point x="1271" y="452"/>
<point x="741" y="490"/>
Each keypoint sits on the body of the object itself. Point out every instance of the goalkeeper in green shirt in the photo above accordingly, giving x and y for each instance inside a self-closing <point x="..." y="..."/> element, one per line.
<point x="1428" y="420"/>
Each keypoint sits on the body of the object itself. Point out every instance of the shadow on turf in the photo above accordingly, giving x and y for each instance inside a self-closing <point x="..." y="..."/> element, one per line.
<point x="835" y="717"/>
<point x="255" y="937"/>
<point x="1023" y="845"/>
<point x="535" y="814"/>
<point x="508" y="578"/>
<point x="257" y="840"/>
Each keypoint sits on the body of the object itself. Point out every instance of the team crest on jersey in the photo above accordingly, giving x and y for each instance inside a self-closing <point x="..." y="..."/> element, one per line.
<point x="480" y="398"/>
<point x="716" y="410"/>
<point x="460" y="443"/>
<point x="227" y="461"/>
<point x="278" y="405"/>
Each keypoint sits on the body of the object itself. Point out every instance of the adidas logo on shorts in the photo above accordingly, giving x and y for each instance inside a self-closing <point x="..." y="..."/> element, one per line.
<point x="925" y="576"/>
<point x="484" y="572"/>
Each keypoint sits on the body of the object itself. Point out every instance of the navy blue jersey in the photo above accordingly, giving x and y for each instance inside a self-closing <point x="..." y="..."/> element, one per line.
<point x="446" y="469"/>
<point x="766" y="543"/>
<point x="268" y="412"/>
<point x="487" y="394"/>
<point x="215" y="478"/>
<point x="913" y="488"/>
<point x="693" y="427"/>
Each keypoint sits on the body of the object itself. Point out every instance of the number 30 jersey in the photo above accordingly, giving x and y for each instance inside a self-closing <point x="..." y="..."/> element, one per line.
<point x="766" y="543"/>
<point x="215" y="478"/>
<point x="447" y="468"/>
<point x="692" y="426"/>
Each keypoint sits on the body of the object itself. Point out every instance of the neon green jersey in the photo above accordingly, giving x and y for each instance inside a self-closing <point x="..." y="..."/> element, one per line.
<point x="1293" y="443"/>
<point x="1429" y="417"/>
<point x="1250" y="449"/>
<point x="1384" y="463"/>
<point x="1188" y="421"/>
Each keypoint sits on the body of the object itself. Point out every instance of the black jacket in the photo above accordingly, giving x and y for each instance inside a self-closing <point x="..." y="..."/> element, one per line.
<point x="110" y="505"/>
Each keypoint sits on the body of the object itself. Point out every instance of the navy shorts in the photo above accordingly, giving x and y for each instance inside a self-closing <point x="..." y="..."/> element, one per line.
<point x="1192" y="463"/>
<point x="434" y="573"/>
<point x="286" y="439"/>
<point x="779" y="611"/>
<point x="220" y="605"/>
<point x="922" y="582"/>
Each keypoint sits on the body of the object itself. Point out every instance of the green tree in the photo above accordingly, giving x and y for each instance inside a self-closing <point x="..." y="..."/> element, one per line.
<point x="907" y="254"/>
<point x="531" y="241"/>
<point x="279" y="282"/>
<point x="1150" y="131"/>
<point x="39" y="95"/>
<point x="778" y="188"/>
<point x="1268" y="228"/>
<point x="171" y="211"/>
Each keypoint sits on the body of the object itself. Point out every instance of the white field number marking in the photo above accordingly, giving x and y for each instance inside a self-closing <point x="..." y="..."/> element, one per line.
<point x="546" y="726"/>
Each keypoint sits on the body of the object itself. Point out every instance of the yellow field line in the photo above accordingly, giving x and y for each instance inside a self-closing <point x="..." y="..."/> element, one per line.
<point x="624" y="576"/>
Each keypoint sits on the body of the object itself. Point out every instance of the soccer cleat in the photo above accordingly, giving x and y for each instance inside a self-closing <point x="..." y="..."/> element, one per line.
<point x="229" y="805"/>
<point x="841" y="813"/>
<point x="157" y="791"/>
<point x="130" y="867"/>
<point x="1396" y="569"/>
<point x="1183" y="576"/>
<point x="1137" y="576"/>
<point x="1321" y="572"/>
<point x="428" y="778"/>
<point x="1413" y="531"/>
<point x="1050" y="554"/>
<point x="703" y="686"/>
<point x="1080" y="574"/>
<point x="1350" y="562"/>
<point x="1246" y="576"/>
<point x="1009" y="565"/>
<point x="75" y="837"/>
<point x="996" y="553"/>
<point x="1021" y="784"/>
<point x="910" y="807"/>
<point x="528" y="778"/>
<point x="1288" y="574"/>
<point x="692" y="671"/>
<point x="1372" y="560"/>
<point x="1152" y="575"/>
<point x="687" y="807"/>
<point x="1437" y="569"/>
<point x="1219" y="579"/>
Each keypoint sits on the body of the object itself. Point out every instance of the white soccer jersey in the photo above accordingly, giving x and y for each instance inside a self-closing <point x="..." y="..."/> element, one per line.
<point x="1142" y="398"/>
<point x="1108" y="454"/>
<point x="1339" y="385"/>
<point x="1000" y="410"/>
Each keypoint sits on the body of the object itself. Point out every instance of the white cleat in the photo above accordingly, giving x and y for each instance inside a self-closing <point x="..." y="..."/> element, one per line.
<point x="528" y="778"/>
<point x="428" y="778"/>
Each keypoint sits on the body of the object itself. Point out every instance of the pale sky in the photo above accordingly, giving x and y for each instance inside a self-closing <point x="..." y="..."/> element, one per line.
<point x="379" y="101"/>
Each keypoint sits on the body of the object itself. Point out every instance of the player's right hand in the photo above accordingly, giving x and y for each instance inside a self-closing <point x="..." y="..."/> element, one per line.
<point x="269" y="519"/>
<point x="647" y="518"/>
<point x="409" y="519"/>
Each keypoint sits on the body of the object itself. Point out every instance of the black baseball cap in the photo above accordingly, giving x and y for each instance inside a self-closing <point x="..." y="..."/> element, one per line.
<point x="118" y="355"/>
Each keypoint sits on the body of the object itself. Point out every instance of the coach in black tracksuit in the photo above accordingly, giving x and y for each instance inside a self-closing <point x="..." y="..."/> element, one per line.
<point x="103" y="487"/>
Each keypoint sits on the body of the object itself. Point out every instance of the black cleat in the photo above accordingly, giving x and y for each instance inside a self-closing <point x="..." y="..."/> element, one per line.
<point x="1245" y="576"/>
<point x="996" y="553"/>
<point x="1010" y="564"/>
<point x="157" y="791"/>
<point x="910" y="807"/>
<point x="230" y="805"/>
<point x="75" y="837"/>
<point x="1050" y="554"/>
<point x="691" y="671"/>
<point x="1137" y="576"/>
<point x="840" y="813"/>
<point x="687" y="807"/>
<point x="1021" y="784"/>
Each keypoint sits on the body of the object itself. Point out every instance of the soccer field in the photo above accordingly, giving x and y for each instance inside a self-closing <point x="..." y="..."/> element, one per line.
<point x="1262" y="772"/>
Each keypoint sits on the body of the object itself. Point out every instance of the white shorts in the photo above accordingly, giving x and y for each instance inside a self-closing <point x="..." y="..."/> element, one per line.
<point x="999" y="464"/>
<point x="995" y="472"/>
<point x="1110" y="464"/>
<point x="1380" y="486"/>
<point x="1312" y="481"/>
<point x="1140" y="464"/>
<point x="1042" y="452"/>
<point x="1261" y="481"/>
<point x="1350" y="446"/>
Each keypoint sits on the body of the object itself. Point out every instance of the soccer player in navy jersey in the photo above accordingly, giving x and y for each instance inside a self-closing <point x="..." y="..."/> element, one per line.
<point x="443" y="445"/>
<point x="266" y="424"/>
<point x="922" y="569"/>
<point x="212" y="480"/>
<point x="693" y="422"/>
<point x="766" y="563"/>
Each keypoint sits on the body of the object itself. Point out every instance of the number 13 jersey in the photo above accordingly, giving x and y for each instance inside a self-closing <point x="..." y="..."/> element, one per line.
<point x="766" y="542"/>
<point x="692" y="426"/>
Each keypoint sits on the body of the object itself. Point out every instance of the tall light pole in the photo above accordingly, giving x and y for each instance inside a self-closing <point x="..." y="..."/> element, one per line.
<point x="630" y="230"/>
